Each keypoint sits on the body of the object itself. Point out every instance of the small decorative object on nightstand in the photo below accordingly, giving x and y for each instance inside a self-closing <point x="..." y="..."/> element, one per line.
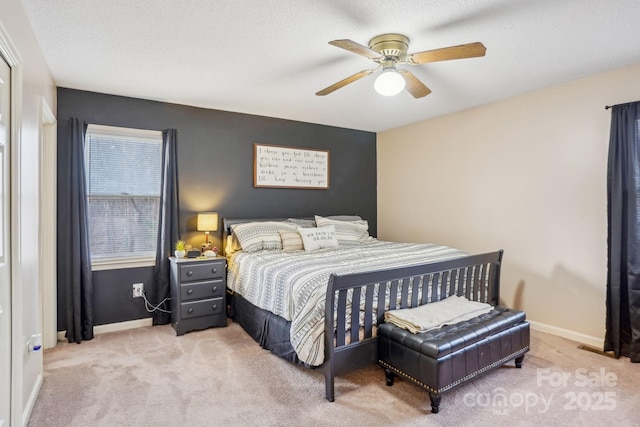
<point x="180" y="249"/>
<point x="194" y="253"/>
<point x="207" y="222"/>
<point x="198" y="293"/>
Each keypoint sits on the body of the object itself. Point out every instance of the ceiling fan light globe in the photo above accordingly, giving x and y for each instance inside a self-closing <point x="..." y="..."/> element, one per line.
<point x="389" y="83"/>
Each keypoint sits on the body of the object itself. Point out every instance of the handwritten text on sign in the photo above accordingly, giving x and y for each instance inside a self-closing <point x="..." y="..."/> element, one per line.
<point x="278" y="166"/>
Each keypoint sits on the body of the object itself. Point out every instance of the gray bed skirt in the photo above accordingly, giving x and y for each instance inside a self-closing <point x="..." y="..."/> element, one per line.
<point x="267" y="329"/>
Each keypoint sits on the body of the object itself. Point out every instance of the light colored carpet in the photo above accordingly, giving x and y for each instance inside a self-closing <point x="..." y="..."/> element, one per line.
<point x="220" y="376"/>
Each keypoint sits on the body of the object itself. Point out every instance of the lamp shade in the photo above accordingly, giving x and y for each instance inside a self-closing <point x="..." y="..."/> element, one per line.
<point x="389" y="83"/>
<point x="208" y="221"/>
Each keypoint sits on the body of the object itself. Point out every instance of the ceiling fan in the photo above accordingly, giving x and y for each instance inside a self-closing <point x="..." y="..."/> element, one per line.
<point x="389" y="50"/>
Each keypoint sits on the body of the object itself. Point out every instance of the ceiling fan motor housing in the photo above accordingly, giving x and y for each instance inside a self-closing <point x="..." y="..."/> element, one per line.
<point x="390" y="45"/>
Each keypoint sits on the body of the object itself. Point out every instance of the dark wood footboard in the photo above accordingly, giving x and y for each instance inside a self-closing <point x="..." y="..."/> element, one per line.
<point x="356" y="303"/>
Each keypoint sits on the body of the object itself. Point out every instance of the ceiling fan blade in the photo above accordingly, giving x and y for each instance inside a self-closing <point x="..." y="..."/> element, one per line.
<point x="344" y="82"/>
<point x="470" y="50"/>
<point x="354" y="47"/>
<point x="413" y="85"/>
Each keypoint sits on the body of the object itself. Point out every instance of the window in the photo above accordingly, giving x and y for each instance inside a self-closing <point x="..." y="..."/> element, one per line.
<point x="123" y="169"/>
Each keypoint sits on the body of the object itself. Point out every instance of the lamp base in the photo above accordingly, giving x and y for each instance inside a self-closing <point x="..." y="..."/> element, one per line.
<point x="206" y="247"/>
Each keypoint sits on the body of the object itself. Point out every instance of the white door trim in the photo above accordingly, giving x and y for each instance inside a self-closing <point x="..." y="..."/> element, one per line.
<point x="47" y="215"/>
<point x="11" y="55"/>
<point x="5" y="243"/>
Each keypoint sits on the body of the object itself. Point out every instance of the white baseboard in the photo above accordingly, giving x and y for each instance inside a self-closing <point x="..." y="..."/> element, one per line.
<point x="26" y="414"/>
<point x="537" y="326"/>
<point x="565" y="333"/>
<point x="113" y="327"/>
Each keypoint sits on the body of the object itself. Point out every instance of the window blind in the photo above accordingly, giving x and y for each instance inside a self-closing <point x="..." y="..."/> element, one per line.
<point x="123" y="185"/>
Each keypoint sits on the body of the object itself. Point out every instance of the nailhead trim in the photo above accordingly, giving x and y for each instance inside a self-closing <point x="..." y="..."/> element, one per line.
<point x="461" y="380"/>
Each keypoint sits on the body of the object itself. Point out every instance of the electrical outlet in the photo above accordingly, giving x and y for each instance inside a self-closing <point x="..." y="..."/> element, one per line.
<point x="137" y="289"/>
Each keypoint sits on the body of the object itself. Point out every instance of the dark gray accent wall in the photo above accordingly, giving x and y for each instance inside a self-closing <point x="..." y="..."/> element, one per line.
<point x="215" y="164"/>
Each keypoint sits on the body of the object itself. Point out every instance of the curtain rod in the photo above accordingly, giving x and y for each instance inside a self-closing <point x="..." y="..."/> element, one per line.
<point x="606" y="107"/>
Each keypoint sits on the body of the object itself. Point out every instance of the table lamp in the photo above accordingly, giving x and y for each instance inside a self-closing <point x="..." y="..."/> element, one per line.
<point x="207" y="222"/>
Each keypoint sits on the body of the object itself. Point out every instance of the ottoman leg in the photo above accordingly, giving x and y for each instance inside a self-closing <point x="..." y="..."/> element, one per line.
<point x="519" y="360"/>
<point x="435" y="402"/>
<point x="389" y="376"/>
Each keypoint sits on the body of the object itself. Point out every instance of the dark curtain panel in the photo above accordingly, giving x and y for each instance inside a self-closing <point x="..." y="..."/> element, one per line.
<point x="74" y="257"/>
<point x="168" y="225"/>
<point x="623" y="214"/>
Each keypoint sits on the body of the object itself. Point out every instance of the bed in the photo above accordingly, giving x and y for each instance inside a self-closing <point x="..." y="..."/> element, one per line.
<point x="321" y="308"/>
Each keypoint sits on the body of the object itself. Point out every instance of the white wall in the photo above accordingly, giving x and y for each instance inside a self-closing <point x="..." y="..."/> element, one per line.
<point x="526" y="174"/>
<point x="37" y="85"/>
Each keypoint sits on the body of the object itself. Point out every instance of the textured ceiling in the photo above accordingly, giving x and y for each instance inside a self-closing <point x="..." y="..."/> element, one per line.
<point x="269" y="57"/>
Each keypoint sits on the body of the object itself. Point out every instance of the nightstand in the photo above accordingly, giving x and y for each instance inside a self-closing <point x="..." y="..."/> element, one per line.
<point x="198" y="292"/>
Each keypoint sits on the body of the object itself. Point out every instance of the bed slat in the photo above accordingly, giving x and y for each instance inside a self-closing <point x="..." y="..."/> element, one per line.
<point x="455" y="277"/>
<point x="355" y="314"/>
<point x="415" y="290"/>
<point x="405" y="293"/>
<point x="368" y="308"/>
<point x="426" y="284"/>
<point x="434" y="287"/>
<point x="341" y="317"/>
<point x="382" y="294"/>
<point x="468" y="276"/>
<point x="444" y="282"/>
<point x="393" y="295"/>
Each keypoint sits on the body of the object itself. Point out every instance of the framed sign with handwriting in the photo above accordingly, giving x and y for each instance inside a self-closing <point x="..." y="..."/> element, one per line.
<point x="277" y="166"/>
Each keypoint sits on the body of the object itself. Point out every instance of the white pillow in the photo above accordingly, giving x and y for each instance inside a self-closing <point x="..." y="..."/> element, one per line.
<point x="348" y="233"/>
<point x="291" y="240"/>
<point x="257" y="236"/>
<point x="318" y="237"/>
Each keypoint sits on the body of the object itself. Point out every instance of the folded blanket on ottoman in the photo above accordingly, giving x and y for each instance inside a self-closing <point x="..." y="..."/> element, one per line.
<point x="434" y="315"/>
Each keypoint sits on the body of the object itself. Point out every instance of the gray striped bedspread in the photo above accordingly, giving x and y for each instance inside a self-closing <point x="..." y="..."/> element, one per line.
<point x="293" y="284"/>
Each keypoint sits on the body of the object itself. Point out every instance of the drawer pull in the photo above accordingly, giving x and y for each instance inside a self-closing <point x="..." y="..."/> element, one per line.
<point x="189" y="273"/>
<point x="189" y="292"/>
<point x="214" y="270"/>
<point x="215" y="306"/>
<point x="190" y="310"/>
<point x="214" y="289"/>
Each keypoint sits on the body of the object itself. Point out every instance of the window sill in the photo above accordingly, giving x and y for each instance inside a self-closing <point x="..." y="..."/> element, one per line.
<point x="120" y="263"/>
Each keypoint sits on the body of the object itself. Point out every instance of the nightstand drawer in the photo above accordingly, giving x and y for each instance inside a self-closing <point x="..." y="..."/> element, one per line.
<point x="199" y="290"/>
<point x="202" y="308"/>
<point x="201" y="272"/>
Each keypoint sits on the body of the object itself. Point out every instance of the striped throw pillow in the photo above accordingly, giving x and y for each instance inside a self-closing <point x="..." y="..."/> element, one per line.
<point x="348" y="233"/>
<point x="258" y="236"/>
<point x="291" y="240"/>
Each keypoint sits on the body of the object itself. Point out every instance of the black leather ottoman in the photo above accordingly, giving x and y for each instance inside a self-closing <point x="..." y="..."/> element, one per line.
<point x="441" y="359"/>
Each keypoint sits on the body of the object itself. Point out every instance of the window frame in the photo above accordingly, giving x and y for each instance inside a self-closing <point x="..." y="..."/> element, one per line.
<point x="116" y="263"/>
